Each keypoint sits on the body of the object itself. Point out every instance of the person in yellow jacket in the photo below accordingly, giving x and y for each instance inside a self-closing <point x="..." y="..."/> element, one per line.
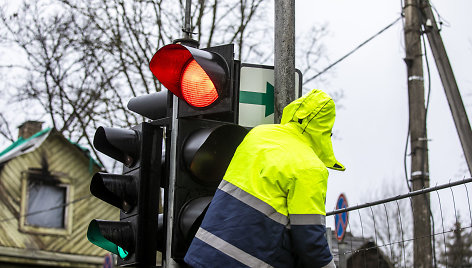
<point x="269" y="209"/>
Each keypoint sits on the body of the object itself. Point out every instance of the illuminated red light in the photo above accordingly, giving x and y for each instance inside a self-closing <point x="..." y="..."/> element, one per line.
<point x="196" y="76"/>
<point x="197" y="88"/>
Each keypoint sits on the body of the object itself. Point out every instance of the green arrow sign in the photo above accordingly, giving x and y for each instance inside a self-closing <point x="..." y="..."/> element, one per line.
<point x="266" y="99"/>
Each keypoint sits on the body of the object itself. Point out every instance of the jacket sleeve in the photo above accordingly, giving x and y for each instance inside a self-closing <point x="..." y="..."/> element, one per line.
<point x="306" y="207"/>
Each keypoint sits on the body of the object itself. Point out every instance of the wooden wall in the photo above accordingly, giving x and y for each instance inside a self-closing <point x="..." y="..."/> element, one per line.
<point x="65" y="159"/>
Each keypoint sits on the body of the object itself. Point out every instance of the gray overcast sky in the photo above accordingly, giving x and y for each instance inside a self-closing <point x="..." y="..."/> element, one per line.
<point x="372" y="126"/>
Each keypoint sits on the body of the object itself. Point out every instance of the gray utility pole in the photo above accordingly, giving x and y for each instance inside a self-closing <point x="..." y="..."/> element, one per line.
<point x="187" y="40"/>
<point x="449" y="82"/>
<point x="422" y="247"/>
<point x="284" y="62"/>
<point x="187" y="29"/>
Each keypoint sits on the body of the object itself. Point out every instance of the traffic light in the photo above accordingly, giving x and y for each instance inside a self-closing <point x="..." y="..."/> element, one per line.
<point x="203" y="79"/>
<point x="135" y="192"/>
<point x="204" y="151"/>
<point x="205" y="135"/>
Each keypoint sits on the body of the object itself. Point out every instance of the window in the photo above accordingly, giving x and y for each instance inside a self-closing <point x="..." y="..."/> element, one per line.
<point x="44" y="203"/>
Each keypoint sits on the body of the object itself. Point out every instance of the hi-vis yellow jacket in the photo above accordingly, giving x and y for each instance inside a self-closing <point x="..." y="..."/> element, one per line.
<point x="269" y="210"/>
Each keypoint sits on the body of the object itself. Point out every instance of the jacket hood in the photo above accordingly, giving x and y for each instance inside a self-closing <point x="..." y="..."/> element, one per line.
<point x="313" y="115"/>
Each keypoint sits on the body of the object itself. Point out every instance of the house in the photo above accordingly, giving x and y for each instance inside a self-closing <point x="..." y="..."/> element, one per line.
<point x="369" y="255"/>
<point x="355" y="252"/>
<point x="45" y="202"/>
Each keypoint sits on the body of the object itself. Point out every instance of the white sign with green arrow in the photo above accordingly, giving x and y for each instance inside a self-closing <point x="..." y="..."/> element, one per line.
<point x="256" y="94"/>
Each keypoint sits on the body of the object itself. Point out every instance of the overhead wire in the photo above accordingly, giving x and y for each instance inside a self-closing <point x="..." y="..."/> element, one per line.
<point x="352" y="51"/>
<point x="46" y="210"/>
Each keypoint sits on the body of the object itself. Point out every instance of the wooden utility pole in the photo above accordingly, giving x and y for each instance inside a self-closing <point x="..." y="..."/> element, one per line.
<point x="449" y="82"/>
<point x="419" y="142"/>
<point x="284" y="54"/>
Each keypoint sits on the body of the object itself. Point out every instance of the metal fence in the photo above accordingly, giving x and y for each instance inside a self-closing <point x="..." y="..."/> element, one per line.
<point x="380" y="233"/>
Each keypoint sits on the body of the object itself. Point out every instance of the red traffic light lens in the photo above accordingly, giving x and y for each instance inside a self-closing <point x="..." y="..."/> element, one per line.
<point x="197" y="76"/>
<point x="197" y="88"/>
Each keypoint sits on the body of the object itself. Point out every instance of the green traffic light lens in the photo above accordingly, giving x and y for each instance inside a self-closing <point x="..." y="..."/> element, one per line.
<point x="96" y="237"/>
<point x="122" y="253"/>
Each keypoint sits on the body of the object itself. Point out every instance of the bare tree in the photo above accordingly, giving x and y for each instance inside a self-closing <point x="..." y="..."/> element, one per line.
<point x="83" y="60"/>
<point x="64" y="72"/>
<point x="389" y="226"/>
<point x="5" y="129"/>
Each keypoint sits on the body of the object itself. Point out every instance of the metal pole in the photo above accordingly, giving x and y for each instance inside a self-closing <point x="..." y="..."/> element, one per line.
<point x="402" y="196"/>
<point x="187" y="24"/>
<point x="422" y="248"/>
<point x="449" y="82"/>
<point x="169" y="262"/>
<point x="187" y="39"/>
<point x="284" y="50"/>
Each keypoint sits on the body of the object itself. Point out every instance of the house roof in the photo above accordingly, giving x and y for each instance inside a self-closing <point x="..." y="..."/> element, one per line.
<point x="23" y="146"/>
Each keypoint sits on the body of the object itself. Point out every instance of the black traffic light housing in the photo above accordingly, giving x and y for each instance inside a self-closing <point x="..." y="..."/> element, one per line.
<point x="136" y="192"/>
<point x="204" y="133"/>
<point x="204" y="151"/>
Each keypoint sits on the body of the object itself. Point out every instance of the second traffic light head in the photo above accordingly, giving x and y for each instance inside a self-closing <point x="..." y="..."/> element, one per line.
<point x="197" y="76"/>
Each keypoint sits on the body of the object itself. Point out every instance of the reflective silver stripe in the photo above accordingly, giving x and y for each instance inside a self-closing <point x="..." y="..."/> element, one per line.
<point x="253" y="202"/>
<point x="415" y="77"/>
<point x="330" y="264"/>
<point x="307" y="219"/>
<point x="229" y="249"/>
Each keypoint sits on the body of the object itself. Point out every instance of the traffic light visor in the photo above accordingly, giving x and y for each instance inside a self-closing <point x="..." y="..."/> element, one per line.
<point x="117" y="190"/>
<point x="119" y="144"/>
<point x="152" y="106"/>
<point x="196" y="76"/>
<point x="97" y="234"/>
<point x="191" y="216"/>
<point x="208" y="151"/>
